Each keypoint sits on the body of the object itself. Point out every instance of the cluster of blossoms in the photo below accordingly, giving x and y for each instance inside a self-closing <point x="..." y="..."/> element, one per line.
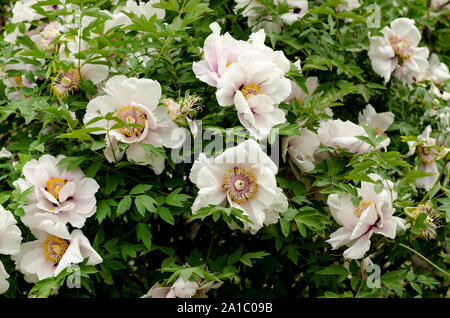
<point x="257" y="19"/>
<point x="58" y="198"/>
<point x="303" y="150"/>
<point x="397" y="53"/>
<point x="374" y="214"/>
<point x="248" y="75"/>
<point x="136" y="117"/>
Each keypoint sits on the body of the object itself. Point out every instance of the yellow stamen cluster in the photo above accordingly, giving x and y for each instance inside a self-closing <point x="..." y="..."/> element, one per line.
<point x="54" y="248"/>
<point x="240" y="185"/>
<point x="54" y="186"/>
<point x="300" y="101"/>
<point x="363" y="205"/>
<point x="251" y="90"/>
<point x="19" y="81"/>
<point x="400" y="47"/>
<point x="132" y="115"/>
<point x="429" y="152"/>
<point x="431" y="221"/>
<point x="64" y="84"/>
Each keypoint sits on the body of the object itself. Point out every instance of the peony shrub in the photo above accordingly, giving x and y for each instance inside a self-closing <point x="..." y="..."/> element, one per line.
<point x="246" y="148"/>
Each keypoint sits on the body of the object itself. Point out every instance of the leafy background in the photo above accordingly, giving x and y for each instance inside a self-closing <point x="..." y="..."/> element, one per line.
<point x="143" y="226"/>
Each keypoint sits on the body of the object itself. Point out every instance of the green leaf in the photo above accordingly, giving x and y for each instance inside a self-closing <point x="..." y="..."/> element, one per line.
<point x="140" y="188"/>
<point x="413" y="175"/>
<point x="166" y="215"/>
<point x="342" y="272"/>
<point x="419" y="223"/>
<point x="124" y="205"/>
<point x="285" y="227"/>
<point x="233" y="258"/>
<point x="144" y="235"/>
<point x="176" y="199"/>
<point x="103" y="211"/>
<point x="248" y="257"/>
<point x="145" y="203"/>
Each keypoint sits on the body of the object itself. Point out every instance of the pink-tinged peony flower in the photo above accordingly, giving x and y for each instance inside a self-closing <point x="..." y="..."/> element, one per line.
<point x="301" y="149"/>
<point x="53" y="250"/>
<point x="10" y="234"/>
<point x="374" y="214"/>
<point x="181" y="289"/>
<point x="68" y="195"/>
<point x="134" y="101"/>
<point x="220" y="51"/>
<point x="4" y="284"/>
<point x="264" y="53"/>
<point x="66" y="83"/>
<point x="397" y="52"/>
<point x="378" y="121"/>
<point x="255" y="88"/>
<point x="245" y="177"/>
<point x="427" y="150"/>
<point x="342" y="134"/>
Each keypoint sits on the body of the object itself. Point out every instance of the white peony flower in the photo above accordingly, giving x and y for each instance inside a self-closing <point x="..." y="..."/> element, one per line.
<point x="374" y="214"/>
<point x="255" y="88"/>
<point x="245" y="177"/>
<point x="301" y="149"/>
<point x="297" y="92"/>
<point x="4" y="284"/>
<point x="298" y="11"/>
<point x="397" y="52"/>
<point x="264" y="53"/>
<point x="438" y="72"/>
<point x="181" y="289"/>
<point x="340" y="134"/>
<point x="146" y="9"/>
<point x="54" y="250"/>
<point x="349" y="5"/>
<point x="68" y="195"/>
<point x="10" y="234"/>
<point x="134" y="101"/>
<point x="46" y="38"/>
<point x="65" y="83"/>
<point x="14" y="84"/>
<point x="378" y="121"/>
<point x="427" y="150"/>
<point x="4" y="153"/>
<point x="22" y="11"/>
<point x="220" y="51"/>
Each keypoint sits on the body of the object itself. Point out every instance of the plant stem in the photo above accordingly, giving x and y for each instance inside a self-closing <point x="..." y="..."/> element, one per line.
<point x="423" y="257"/>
